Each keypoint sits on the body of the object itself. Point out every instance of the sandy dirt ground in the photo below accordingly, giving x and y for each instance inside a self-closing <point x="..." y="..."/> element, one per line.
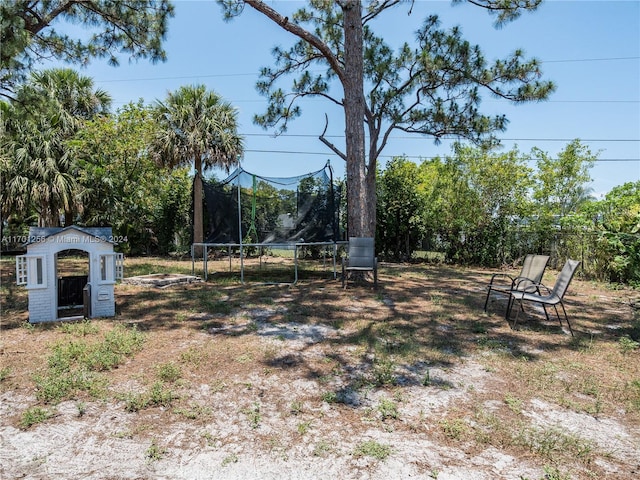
<point x="254" y="406"/>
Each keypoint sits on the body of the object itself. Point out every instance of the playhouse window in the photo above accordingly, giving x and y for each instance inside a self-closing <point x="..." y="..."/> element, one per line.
<point x="30" y="271"/>
<point x="111" y="267"/>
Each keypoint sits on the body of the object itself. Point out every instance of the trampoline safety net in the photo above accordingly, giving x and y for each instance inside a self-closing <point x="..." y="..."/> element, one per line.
<point x="257" y="209"/>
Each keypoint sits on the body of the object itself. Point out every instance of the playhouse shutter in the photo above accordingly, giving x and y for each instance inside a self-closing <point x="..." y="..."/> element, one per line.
<point x="31" y="271"/>
<point x="21" y="270"/>
<point x="119" y="266"/>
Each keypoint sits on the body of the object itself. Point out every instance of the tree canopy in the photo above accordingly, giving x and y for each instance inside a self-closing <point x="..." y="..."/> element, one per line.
<point x="431" y="87"/>
<point x="28" y="33"/>
<point x="37" y="169"/>
<point x="196" y="125"/>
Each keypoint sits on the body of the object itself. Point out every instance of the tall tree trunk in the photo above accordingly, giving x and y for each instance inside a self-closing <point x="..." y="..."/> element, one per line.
<point x="359" y="205"/>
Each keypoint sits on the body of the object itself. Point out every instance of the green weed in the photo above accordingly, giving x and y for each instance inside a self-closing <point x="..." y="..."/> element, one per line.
<point x="304" y="427"/>
<point x="168" y="372"/>
<point x="33" y="416"/>
<point x="253" y="415"/>
<point x="384" y="372"/>
<point x="330" y="397"/>
<point x="154" y="452"/>
<point x="160" y="396"/>
<point x="514" y="403"/>
<point x="79" y="329"/>
<point x="193" y="412"/>
<point x="296" y="407"/>
<point x="233" y="458"/>
<point x="73" y="365"/>
<point x="455" y="428"/>
<point x="373" y="449"/>
<point x="388" y="409"/>
<point x="322" y="449"/>
<point x="627" y="345"/>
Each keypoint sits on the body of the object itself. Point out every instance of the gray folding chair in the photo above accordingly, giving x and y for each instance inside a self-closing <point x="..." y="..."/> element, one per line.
<point x="533" y="268"/>
<point x="361" y="258"/>
<point x="553" y="296"/>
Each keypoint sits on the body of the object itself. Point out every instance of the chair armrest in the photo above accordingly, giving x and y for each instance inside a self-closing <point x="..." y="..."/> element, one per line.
<point x="535" y="288"/>
<point x="497" y="275"/>
<point x="522" y="283"/>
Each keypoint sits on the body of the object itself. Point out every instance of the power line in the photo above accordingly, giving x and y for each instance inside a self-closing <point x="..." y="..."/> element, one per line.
<point x="448" y="137"/>
<point x="214" y="75"/>
<point x="422" y="157"/>
<point x="590" y="60"/>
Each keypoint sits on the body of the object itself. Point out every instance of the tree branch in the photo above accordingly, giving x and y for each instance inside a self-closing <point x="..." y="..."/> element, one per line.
<point x="300" y="33"/>
<point x="328" y="143"/>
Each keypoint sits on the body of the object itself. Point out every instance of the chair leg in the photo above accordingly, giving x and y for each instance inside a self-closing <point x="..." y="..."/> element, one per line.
<point x="507" y="314"/>
<point x="566" y="318"/>
<point x="513" y="327"/>
<point x="375" y="278"/>
<point x="486" y="301"/>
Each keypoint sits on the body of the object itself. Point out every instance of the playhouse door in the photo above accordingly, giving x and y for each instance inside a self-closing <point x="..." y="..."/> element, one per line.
<point x="70" y="295"/>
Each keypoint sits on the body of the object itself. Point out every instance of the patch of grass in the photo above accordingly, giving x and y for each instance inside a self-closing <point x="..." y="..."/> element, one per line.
<point x="514" y="403"/>
<point x="154" y="452"/>
<point x="634" y="396"/>
<point x="552" y="443"/>
<point x="29" y="327"/>
<point x="627" y="345"/>
<point x="384" y="372"/>
<point x="554" y="473"/>
<point x="168" y="372"/>
<point x="244" y="358"/>
<point x="253" y="415"/>
<point x="82" y="408"/>
<point x="134" y="402"/>
<point x="373" y="449"/>
<point x="330" y="397"/>
<point x="33" y="416"/>
<point x="56" y="385"/>
<point x="304" y="427"/>
<point x="322" y="449"/>
<point x="229" y="459"/>
<point x="487" y="343"/>
<point x="296" y="407"/>
<point x="454" y="428"/>
<point x="160" y="396"/>
<point x="4" y="373"/>
<point x="193" y="412"/>
<point x="388" y="409"/>
<point x="79" y="329"/>
<point x="479" y="327"/>
<point x="193" y="356"/>
<point x="73" y="365"/>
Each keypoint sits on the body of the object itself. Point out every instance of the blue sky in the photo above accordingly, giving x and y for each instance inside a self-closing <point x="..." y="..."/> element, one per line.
<point x="590" y="49"/>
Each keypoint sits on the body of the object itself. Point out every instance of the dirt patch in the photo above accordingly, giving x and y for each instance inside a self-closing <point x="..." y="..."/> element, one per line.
<point x="161" y="280"/>
<point x="314" y="381"/>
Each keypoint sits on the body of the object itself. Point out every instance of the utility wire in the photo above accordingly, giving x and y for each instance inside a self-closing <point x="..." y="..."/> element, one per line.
<point x="422" y="157"/>
<point x="448" y="137"/>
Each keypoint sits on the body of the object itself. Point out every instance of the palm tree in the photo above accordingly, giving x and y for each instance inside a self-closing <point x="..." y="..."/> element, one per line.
<point x="38" y="172"/>
<point x="196" y="125"/>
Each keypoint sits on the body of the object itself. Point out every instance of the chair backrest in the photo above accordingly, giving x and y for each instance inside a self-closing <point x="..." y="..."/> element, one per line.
<point x="533" y="267"/>
<point x="361" y="252"/>
<point x="564" y="279"/>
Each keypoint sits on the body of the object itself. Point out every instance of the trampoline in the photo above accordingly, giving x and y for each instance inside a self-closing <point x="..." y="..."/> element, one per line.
<point x="248" y="213"/>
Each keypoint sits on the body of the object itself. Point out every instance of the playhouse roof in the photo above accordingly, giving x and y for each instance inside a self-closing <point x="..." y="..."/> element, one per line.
<point x="38" y="234"/>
